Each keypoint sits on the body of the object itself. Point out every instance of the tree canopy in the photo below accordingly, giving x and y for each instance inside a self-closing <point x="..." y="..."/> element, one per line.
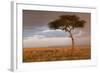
<point x="67" y="23"/>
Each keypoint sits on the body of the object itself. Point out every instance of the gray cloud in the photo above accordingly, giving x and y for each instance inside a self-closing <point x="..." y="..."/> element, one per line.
<point x="35" y="22"/>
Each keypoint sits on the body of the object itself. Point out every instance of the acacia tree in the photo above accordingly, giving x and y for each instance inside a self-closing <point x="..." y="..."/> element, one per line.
<point x="67" y="23"/>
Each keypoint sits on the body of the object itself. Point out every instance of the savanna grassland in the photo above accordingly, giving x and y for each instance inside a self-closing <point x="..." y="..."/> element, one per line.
<point x="55" y="54"/>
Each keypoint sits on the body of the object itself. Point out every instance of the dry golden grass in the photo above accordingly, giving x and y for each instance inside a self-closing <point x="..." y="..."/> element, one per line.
<point x="55" y="54"/>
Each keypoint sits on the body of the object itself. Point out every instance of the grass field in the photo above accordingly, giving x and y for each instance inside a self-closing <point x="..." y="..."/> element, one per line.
<point x="55" y="54"/>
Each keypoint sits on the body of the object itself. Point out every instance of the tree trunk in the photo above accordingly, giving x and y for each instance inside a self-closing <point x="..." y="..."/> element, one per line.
<point x="71" y="36"/>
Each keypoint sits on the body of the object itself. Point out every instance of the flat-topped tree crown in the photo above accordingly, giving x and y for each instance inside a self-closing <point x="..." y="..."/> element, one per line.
<point x="67" y="23"/>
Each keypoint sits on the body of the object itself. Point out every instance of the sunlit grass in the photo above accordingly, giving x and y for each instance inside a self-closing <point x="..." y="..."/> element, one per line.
<point x="55" y="54"/>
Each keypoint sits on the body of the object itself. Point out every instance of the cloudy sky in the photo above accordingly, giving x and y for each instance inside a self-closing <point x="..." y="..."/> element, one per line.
<point x="36" y="32"/>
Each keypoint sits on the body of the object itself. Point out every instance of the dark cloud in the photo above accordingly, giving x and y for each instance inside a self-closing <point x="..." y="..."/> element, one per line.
<point x="34" y="22"/>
